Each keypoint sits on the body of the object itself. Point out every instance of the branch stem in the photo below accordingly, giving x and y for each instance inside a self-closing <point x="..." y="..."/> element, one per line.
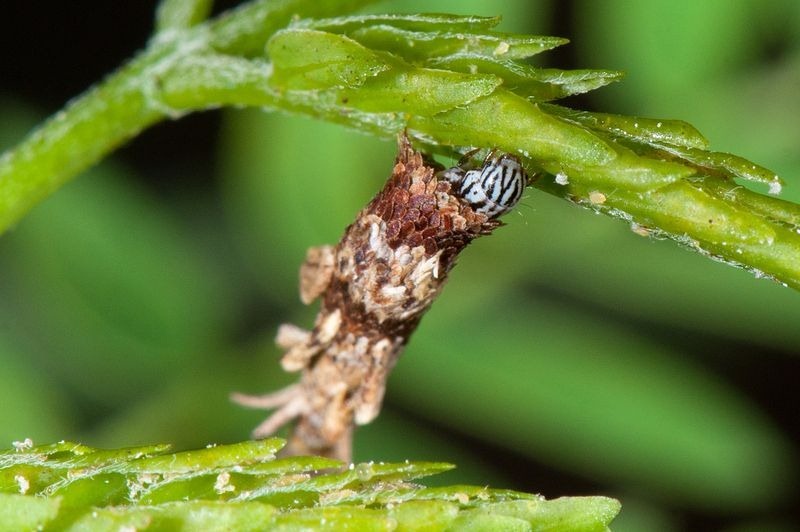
<point x="132" y="99"/>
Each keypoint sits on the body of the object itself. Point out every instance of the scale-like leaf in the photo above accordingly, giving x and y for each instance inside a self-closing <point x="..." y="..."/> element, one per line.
<point x="208" y="489"/>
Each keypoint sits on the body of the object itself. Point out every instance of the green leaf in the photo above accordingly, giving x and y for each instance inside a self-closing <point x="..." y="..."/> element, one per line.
<point x="365" y="496"/>
<point x="70" y="455"/>
<point x="378" y="85"/>
<point x="417" y="90"/>
<point x="538" y="84"/>
<point x="567" y="513"/>
<point x="415" y="22"/>
<point x="437" y="515"/>
<point x="726" y="164"/>
<point x="112" y="519"/>
<point x="483" y="522"/>
<point x="192" y="515"/>
<point x="645" y="130"/>
<point x="419" y="46"/>
<point x="245" y="30"/>
<point x="21" y="513"/>
<point x="559" y="147"/>
<point x="310" y="59"/>
<point x="210" y="459"/>
<point x="181" y="14"/>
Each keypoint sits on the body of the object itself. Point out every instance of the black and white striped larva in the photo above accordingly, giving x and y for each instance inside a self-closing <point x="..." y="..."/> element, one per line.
<point x="494" y="188"/>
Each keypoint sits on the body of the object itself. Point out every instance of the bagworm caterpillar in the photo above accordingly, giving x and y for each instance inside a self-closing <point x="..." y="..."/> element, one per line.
<point x="375" y="285"/>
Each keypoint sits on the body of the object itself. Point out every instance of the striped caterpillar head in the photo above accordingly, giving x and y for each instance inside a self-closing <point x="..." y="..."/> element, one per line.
<point x="494" y="188"/>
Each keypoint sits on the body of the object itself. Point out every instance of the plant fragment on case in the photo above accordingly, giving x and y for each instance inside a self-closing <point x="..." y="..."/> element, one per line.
<point x="375" y="285"/>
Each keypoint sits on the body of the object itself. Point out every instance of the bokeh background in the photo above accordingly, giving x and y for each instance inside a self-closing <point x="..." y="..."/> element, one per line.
<point x="567" y="355"/>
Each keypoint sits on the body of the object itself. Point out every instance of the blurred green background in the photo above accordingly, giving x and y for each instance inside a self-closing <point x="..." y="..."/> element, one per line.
<point x="596" y="361"/>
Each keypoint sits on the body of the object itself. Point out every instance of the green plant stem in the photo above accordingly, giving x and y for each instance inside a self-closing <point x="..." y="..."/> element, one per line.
<point x="181" y="14"/>
<point x="128" y="101"/>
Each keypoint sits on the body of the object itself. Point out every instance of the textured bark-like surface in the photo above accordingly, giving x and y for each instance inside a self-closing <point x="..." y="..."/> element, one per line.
<point x="375" y="285"/>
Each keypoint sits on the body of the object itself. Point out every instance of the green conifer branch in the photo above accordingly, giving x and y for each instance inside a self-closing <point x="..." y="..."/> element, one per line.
<point x="453" y="83"/>
<point x="67" y="486"/>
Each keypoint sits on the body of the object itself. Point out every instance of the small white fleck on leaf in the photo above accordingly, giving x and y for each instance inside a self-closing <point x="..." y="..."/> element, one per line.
<point x="23" y="483"/>
<point x="502" y="48"/>
<point x="597" y="197"/>
<point x="23" y="445"/>
<point x="223" y="483"/>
